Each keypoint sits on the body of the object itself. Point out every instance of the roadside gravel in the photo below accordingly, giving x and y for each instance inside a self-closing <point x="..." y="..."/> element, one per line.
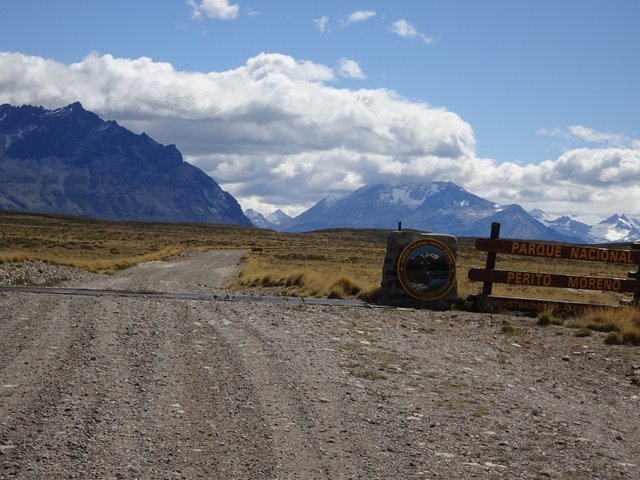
<point x="116" y="388"/>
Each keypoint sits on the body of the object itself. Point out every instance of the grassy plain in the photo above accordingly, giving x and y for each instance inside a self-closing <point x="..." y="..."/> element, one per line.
<point x="340" y="262"/>
<point x="330" y="263"/>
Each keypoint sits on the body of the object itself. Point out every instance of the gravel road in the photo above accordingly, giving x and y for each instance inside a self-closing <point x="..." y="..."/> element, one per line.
<point x="146" y="388"/>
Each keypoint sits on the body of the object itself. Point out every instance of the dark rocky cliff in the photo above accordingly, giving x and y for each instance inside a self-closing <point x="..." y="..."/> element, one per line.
<point x="70" y="161"/>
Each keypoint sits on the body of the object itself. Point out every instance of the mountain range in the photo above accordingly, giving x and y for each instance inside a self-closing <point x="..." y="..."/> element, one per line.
<point x="277" y="220"/>
<point x="616" y="228"/>
<point x="70" y="161"/>
<point x="445" y="207"/>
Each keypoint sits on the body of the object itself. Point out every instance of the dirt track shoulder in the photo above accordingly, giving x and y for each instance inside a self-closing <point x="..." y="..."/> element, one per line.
<point x="135" y="388"/>
<point x="115" y="387"/>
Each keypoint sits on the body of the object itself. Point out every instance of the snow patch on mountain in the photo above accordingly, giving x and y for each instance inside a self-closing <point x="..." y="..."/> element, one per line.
<point x="258" y="220"/>
<point x="407" y="195"/>
<point x="278" y="217"/>
<point x="617" y="228"/>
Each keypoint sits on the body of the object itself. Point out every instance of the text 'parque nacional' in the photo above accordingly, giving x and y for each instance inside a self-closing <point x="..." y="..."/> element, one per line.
<point x="553" y="250"/>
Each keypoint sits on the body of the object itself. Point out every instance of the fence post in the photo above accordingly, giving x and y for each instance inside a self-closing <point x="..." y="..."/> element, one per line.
<point x="487" y="287"/>
<point x="636" y="275"/>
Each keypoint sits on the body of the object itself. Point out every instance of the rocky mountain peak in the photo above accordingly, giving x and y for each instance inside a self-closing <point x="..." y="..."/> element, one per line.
<point x="71" y="161"/>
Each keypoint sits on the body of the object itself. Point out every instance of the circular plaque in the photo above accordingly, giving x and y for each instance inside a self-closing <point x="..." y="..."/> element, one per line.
<point x="427" y="269"/>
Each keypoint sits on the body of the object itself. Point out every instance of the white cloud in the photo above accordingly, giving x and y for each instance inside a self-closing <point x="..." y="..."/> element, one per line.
<point x="350" y="69"/>
<point x="321" y="23"/>
<point x="586" y="134"/>
<point x="405" y="29"/>
<point x="590" y="135"/>
<point x="551" y="132"/>
<point x="275" y="133"/>
<point x="359" y="16"/>
<point x="220" y="9"/>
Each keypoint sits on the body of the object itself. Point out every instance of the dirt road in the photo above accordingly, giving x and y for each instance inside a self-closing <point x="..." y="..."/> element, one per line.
<point x="126" y="388"/>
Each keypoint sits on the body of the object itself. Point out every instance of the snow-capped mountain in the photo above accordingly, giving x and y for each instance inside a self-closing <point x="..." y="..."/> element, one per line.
<point x="566" y="226"/>
<point x="617" y="228"/>
<point x="279" y="218"/>
<point x="258" y="220"/>
<point x="442" y="207"/>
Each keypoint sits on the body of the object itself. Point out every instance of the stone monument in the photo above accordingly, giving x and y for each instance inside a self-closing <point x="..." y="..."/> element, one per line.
<point x="419" y="270"/>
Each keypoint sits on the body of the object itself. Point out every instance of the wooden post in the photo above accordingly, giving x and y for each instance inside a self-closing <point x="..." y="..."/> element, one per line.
<point x="487" y="287"/>
<point x="636" y="275"/>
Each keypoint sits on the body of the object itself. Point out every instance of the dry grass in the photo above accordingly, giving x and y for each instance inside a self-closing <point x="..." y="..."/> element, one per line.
<point x="623" y="324"/>
<point x="333" y="263"/>
<point x="336" y="262"/>
<point x="103" y="265"/>
<point x="340" y="262"/>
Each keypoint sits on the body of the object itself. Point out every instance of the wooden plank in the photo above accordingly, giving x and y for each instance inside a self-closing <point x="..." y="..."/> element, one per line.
<point x="557" y="250"/>
<point x="538" y="279"/>
<point x="540" y="305"/>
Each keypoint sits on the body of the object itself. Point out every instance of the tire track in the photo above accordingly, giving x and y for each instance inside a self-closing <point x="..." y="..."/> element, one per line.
<point x="296" y="390"/>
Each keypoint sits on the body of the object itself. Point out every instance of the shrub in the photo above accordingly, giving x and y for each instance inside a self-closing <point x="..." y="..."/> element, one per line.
<point x="613" y="338"/>
<point x="370" y="296"/>
<point x="344" y="287"/>
<point x="544" y="319"/>
<point x="507" y="328"/>
<point x="583" y="332"/>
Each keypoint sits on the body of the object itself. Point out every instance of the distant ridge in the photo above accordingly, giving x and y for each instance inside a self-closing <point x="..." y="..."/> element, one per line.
<point x="70" y="161"/>
<point x="442" y="207"/>
<point x="445" y="207"/>
<point x="277" y="220"/>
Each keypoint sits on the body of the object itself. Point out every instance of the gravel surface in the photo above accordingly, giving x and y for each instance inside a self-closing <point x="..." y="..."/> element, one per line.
<point x="143" y="388"/>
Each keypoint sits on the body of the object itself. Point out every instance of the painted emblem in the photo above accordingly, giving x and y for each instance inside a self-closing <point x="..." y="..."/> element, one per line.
<point x="427" y="269"/>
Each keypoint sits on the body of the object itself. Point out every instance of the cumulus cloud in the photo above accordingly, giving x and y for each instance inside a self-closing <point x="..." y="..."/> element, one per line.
<point x="586" y="134"/>
<point x="219" y="9"/>
<point x="404" y="29"/>
<point x="359" y="16"/>
<point x="276" y="133"/>
<point x="591" y="135"/>
<point x="321" y="23"/>
<point x="350" y="69"/>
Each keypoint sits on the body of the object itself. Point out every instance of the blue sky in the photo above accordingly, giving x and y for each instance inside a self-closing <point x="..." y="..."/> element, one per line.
<point x="515" y="84"/>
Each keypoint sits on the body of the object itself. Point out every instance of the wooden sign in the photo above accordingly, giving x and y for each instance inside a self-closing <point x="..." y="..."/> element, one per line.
<point x="536" y="279"/>
<point x="489" y="275"/>
<point x="553" y="250"/>
<point x="538" y="305"/>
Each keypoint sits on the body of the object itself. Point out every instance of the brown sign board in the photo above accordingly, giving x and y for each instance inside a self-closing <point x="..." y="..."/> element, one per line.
<point x="539" y="305"/>
<point x="557" y="250"/>
<point x="537" y="279"/>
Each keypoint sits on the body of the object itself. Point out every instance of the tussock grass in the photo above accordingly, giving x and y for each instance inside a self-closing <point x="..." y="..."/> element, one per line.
<point x="548" y="317"/>
<point x="623" y="324"/>
<point x="120" y="263"/>
<point x="14" y="257"/>
<point x="303" y="281"/>
<point x="103" y="265"/>
<point x="338" y="262"/>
